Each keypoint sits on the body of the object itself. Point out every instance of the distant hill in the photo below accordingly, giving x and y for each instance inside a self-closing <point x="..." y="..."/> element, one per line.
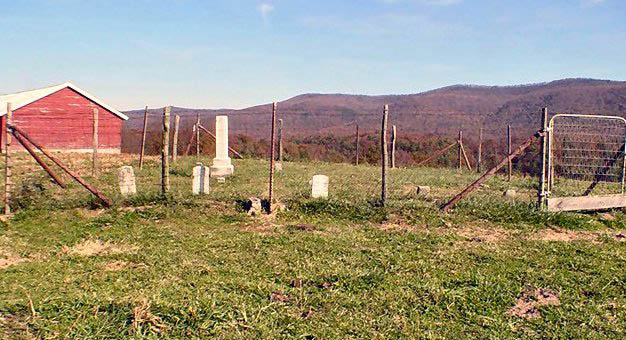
<point x="439" y="112"/>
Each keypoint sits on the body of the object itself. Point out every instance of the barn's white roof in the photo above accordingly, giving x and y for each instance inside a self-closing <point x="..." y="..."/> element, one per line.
<point x="22" y="99"/>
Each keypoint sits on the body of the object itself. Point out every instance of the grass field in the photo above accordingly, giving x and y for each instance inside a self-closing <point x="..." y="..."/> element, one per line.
<point x="185" y="266"/>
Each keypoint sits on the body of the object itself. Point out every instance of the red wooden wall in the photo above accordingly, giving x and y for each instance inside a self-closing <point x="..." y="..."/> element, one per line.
<point x="64" y="121"/>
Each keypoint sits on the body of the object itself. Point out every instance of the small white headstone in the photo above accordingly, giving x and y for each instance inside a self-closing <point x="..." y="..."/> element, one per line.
<point x="423" y="190"/>
<point x="127" y="180"/>
<point x="319" y="186"/>
<point x="278" y="167"/>
<point x="201" y="179"/>
<point x="510" y="193"/>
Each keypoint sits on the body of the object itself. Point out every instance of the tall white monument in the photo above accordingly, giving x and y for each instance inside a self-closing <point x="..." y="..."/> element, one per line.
<point x="221" y="163"/>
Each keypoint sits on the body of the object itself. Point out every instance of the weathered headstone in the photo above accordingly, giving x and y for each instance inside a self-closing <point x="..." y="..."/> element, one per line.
<point x="201" y="179"/>
<point x="423" y="190"/>
<point x="255" y="206"/>
<point x="127" y="180"/>
<point x="319" y="186"/>
<point x="510" y="193"/>
<point x="221" y="163"/>
<point x="278" y="166"/>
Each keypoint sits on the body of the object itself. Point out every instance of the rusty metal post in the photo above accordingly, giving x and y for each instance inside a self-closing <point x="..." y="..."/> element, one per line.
<point x="393" y="146"/>
<point x="385" y="156"/>
<point x="280" y="140"/>
<point x="544" y="149"/>
<point x="94" y="168"/>
<point x="460" y="151"/>
<point x="508" y="152"/>
<point x="7" y="162"/>
<point x="175" y="139"/>
<point x="198" y="136"/>
<point x="143" y="137"/>
<point x="356" y="162"/>
<point x="165" y="148"/>
<point x="272" y="147"/>
<point x="480" y="150"/>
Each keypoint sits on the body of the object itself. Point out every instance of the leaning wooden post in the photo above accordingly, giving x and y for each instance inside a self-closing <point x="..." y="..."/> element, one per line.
<point x="38" y="159"/>
<point x="280" y="140"/>
<point x="544" y="149"/>
<point x="272" y="147"/>
<point x="460" y="151"/>
<point x="198" y="136"/>
<point x="480" y="150"/>
<point x="385" y="156"/>
<point x="175" y="139"/>
<point x="356" y="162"/>
<point x="165" y="166"/>
<point x="94" y="168"/>
<point x="107" y="202"/>
<point x="7" y="163"/>
<point x="143" y="137"/>
<point x="508" y="152"/>
<point x="491" y="172"/>
<point x="393" y="146"/>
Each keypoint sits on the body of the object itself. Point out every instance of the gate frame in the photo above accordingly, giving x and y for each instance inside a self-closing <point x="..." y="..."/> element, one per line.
<point x="589" y="202"/>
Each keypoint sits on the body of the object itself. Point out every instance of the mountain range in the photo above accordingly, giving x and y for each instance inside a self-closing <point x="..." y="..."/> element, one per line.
<point x="440" y="112"/>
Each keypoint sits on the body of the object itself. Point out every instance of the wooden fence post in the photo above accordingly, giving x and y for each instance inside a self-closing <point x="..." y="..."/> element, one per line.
<point x="143" y="137"/>
<point x="460" y="151"/>
<point x="508" y="152"/>
<point x="544" y="149"/>
<point x="480" y="150"/>
<point x="385" y="156"/>
<point x="198" y="136"/>
<point x="357" y="146"/>
<point x="175" y="141"/>
<point x="280" y="140"/>
<point x="165" y="147"/>
<point x="94" y="170"/>
<point x="393" y="146"/>
<point x="272" y="147"/>
<point x="7" y="163"/>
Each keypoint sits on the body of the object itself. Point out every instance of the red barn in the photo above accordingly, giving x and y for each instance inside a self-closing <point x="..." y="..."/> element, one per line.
<point x="60" y="118"/>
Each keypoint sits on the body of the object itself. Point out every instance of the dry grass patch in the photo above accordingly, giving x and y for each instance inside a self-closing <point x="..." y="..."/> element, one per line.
<point x="143" y="319"/>
<point x="97" y="248"/>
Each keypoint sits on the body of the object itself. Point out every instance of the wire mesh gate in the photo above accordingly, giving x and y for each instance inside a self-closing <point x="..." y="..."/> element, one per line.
<point x="586" y="156"/>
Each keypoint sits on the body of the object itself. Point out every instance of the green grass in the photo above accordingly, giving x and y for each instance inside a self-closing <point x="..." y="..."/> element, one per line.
<point x="342" y="268"/>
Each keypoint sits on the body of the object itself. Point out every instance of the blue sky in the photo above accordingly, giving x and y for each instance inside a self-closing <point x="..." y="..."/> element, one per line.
<point x="238" y="53"/>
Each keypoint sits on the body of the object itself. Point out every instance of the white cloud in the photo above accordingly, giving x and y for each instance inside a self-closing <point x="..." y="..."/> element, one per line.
<point x="265" y="9"/>
<point x="593" y="2"/>
<point x="435" y="2"/>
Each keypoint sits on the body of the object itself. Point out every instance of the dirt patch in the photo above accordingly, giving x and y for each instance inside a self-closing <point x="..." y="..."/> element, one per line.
<point x="480" y="235"/>
<point x="279" y="297"/>
<point x="562" y="235"/>
<point x="97" y="247"/>
<point x="8" y="259"/>
<point x="14" y="327"/>
<point x="526" y="306"/>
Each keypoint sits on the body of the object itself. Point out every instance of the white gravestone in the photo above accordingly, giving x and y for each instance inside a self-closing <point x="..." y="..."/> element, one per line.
<point x="221" y="163"/>
<point x="201" y="179"/>
<point x="319" y="186"/>
<point x="127" y="180"/>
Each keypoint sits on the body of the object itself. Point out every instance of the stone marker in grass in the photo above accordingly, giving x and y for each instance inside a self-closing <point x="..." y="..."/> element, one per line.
<point x="319" y="186"/>
<point x="423" y="190"/>
<point x="127" y="180"/>
<point x="221" y="163"/>
<point x="201" y="176"/>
